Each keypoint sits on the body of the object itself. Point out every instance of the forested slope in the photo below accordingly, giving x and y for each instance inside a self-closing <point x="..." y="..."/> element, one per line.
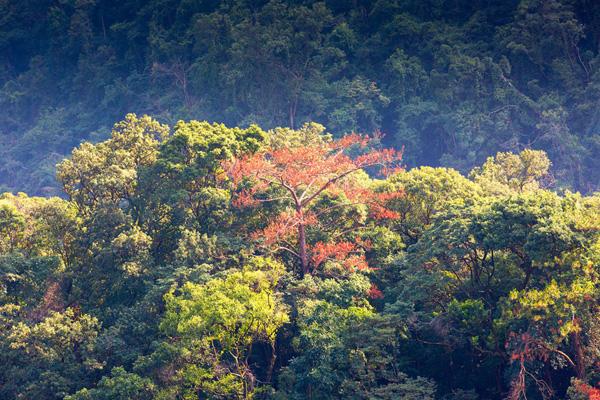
<point x="200" y="261"/>
<point x="452" y="81"/>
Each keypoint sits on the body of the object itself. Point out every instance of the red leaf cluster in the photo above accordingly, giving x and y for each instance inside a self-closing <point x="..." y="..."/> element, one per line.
<point x="296" y="176"/>
<point x="591" y="392"/>
<point x="282" y="227"/>
<point x="374" y="292"/>
<point x="305" y="171"/>
<point x="344" y="252"/>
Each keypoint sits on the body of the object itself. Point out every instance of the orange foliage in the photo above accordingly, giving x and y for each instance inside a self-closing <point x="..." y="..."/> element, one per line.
<point x="301" y="174"/>
<point x="587" y="390"/>
<point x="305" y="171"/>
<point x="343" y="252"/>
<point x="375" y="293"/>
<point x="379" y="205"/>
<point x="528" y="349"/>
<point x="282" y="227"/>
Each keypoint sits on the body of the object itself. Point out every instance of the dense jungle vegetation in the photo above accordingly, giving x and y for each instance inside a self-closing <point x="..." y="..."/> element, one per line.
<point x="206" y="262"/>
<point x="295" y="246"/>
<point x="452" y="81"/>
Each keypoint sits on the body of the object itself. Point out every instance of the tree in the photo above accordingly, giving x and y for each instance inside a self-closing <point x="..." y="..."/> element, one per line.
<point x="12" y="223"/>
<point x="462" y="274"/>
<point x="427" y="192"/>
<point x="50" y="358"/>
<point x="296" y="176"/>
<point x="223" y="320"/>
<point x="102" y="182"/>
<point x="513" y="172"/>
<point x="121" y="385"/>
<point x="48" y="226"/>
<point x="347" y="351"/>
<point x="107" y="173"/>
<point x="192" y="191"/>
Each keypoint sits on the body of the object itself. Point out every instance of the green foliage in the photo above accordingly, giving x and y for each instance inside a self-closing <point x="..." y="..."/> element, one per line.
<point x="510" y="273"/>
<point x="147" y="282"/>
<point x="189" y="168"/>
<point x="121" y="385"/>
<point x="508" y="172"/>
<point x="348" y="352"/>
<point x="11" y="225"/>
<point x="106" y="173"/>
<point x="221" y="320"/>
<point x="50" y="358"/>
<point x="23" y="279"/>
<point x="427" y="191"/>
<point x="452" y="83"/>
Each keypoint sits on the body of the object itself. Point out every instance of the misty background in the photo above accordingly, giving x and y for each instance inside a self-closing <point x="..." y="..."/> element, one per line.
<point x="451" y="81"/>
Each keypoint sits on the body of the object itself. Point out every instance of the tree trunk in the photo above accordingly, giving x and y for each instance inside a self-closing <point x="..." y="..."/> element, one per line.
<point x="271" y="362"/>
<point x="302" y="248"/>
<point x="302" y="239"/>
<point x="579" y="354"/>
<point x="528" y="268"/>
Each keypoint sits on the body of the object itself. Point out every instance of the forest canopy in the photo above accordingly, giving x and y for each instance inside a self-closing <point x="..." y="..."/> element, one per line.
<point x="200" y="261"/>
<point x="335" y="199"/>
<point x="453" y="82"/>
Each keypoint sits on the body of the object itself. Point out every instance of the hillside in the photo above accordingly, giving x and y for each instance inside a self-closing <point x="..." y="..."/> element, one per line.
<point x="199" y="261"/>
<point x="452" y="82"/>
<point x="290" y="200"/>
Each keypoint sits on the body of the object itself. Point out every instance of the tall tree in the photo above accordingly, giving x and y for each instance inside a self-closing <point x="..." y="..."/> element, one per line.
<point x="296" y="175"/>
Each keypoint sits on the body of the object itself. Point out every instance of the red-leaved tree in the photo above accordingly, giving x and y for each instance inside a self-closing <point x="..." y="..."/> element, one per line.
<point x="591" y="393"/>
<point x="296" y="176"/>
